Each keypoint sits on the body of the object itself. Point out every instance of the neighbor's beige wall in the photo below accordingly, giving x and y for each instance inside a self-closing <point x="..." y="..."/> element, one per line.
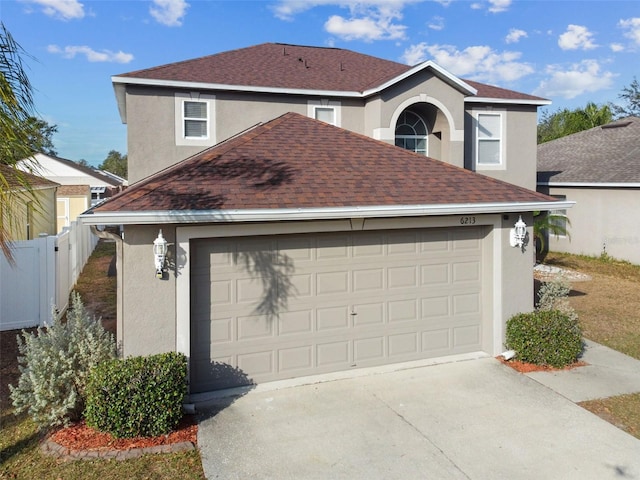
<point x="603" y="219"/>
<point x="43" y="214"/>
<point x="77" y="205"/>
<point x="148" y="323"/>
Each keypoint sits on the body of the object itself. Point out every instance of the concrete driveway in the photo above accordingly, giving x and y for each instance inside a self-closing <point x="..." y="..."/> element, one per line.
<point x="469" y="419"/>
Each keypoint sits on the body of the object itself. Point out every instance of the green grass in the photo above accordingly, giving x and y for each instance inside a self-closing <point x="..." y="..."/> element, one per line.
<point x="608" y="307"/>
<point x="20" y="458"/>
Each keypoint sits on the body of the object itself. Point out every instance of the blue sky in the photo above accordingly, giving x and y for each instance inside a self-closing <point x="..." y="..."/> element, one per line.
<point x="570" y="52"/>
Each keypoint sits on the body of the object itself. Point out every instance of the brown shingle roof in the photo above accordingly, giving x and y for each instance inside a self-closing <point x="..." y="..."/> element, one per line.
<point x="606" y="154"/>
<point x="297" y="162"/>
<point x="17" y="179"/>
<point x="276" y="65"/>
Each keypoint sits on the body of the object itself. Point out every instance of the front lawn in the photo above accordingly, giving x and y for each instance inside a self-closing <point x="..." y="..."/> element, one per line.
<point x="608" y="306"/>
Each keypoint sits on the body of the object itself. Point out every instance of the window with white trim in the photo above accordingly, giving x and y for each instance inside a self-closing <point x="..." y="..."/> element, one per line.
<point x="195" y="114"/>
<point x="558" y="218"/>
<point x="327" y="111"/>
<point x="411" y="132"/>
<point x="489" y="139"/>
<point x="325" y="114"/>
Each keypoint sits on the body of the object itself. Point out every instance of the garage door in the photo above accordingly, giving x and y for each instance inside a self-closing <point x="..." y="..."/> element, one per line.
<point x="277" y="307"/>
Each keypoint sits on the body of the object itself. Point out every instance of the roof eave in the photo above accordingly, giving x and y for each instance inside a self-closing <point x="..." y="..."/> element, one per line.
<point x="325" y="213"/>
<point x="591" y="184"/>
<point x="119" y="81"/>
<point x="518" y="101"/>
<point x="445" y="75"/>
<point x="119" y="90"/>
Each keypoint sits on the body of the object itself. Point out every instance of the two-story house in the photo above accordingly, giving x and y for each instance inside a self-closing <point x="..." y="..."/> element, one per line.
<point x="302" y="240"/>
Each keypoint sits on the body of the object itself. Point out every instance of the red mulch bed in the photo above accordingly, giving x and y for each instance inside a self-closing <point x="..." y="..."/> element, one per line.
<point x="81" y="437"/>
<point x="524" y="367"/>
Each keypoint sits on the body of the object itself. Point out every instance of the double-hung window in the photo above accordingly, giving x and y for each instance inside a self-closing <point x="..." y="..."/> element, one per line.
<point x="195" y="114"/>
<point x="489" y="142"/>
<point x="196" y="119"/>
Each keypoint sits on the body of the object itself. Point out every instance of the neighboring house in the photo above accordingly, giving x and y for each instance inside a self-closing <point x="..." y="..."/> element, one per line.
<point x="304" y="241"/>
<point x="81" y="187"/>
<point x="28" y="214"/>
<point x="599" y="169"/>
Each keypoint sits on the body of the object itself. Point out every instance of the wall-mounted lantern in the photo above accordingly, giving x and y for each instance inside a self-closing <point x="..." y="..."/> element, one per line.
<point x="518" y="233"/>
<point x="159" y="253"/>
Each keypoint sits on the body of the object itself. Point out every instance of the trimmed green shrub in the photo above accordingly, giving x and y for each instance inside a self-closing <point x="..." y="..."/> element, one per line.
<point x="545" y="337"/>
<point x="54" y="364"/>
<point x="137" y="396"/>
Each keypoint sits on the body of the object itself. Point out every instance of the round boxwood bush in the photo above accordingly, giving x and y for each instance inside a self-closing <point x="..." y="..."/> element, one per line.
<point x="137" y="396"/>
<point x="544" y="337"/>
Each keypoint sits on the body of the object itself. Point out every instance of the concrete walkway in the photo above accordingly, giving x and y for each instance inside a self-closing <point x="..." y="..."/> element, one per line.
<point x="469" y="419"/>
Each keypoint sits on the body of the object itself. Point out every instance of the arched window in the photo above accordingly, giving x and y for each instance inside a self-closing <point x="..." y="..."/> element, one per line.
<point x="411" y="132"/>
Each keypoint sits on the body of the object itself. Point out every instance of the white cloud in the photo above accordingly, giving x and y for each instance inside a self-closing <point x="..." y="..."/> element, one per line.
<point x="584" y="77"/>
<point x="287" y="9"/>
<point x="576" y="37"/>
<point x="515" y="35"/>
<point x="61" y="9"/>
<point x="495" y="6"/>
<point x="369" y="20"/>
<point x="632" y="29"/>
<point x="92" y="55"/>
<point x="477" y="62"/>
<point x="169" y="12"/>
<point x="366" y="28"/>
<point x="616" y="47"/>
<point x="498" y="6"/>
<point x="436" y="23"/>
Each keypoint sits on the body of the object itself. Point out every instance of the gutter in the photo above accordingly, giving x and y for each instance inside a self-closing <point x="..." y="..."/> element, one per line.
<point x="331" y="213"/>
<point x="590" y="184"/>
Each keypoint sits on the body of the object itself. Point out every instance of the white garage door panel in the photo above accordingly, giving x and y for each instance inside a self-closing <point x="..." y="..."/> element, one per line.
<point x="284" y="306"/>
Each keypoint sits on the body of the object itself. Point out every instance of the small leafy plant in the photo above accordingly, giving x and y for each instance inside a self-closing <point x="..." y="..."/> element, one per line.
<point x="137" y="396"/>
<point x="54" y="364"/>
<point x="545" y="337"/>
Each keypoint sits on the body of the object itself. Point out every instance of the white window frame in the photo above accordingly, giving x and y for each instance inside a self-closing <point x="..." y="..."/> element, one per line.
<point x="314" y="105"/>
<point x="501" y="165"/>
<point x="561" y="213"/>
<point x="181" y="138"/>
<point x="414" y="137"/>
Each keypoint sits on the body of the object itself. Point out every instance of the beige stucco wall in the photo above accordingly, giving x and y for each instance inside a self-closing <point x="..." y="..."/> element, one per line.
<point x="151" y="119"/>
<point x="520" y="148"/>
<point x="149" y="306"/>
<point x="602" y="220"/>
<point x="517" y="269"/>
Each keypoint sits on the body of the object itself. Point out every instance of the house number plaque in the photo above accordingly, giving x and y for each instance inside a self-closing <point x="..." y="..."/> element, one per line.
<point x="467" y="220"/>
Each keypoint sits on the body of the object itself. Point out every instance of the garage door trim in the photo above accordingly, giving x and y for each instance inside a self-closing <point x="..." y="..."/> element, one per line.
<point x="185" y="234"/>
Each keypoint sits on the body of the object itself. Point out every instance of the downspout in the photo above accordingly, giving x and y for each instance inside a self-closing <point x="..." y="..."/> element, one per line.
<point x="119" y="317"/>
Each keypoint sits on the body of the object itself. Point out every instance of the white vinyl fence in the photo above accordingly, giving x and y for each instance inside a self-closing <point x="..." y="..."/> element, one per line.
<point x="45" y="271"/>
